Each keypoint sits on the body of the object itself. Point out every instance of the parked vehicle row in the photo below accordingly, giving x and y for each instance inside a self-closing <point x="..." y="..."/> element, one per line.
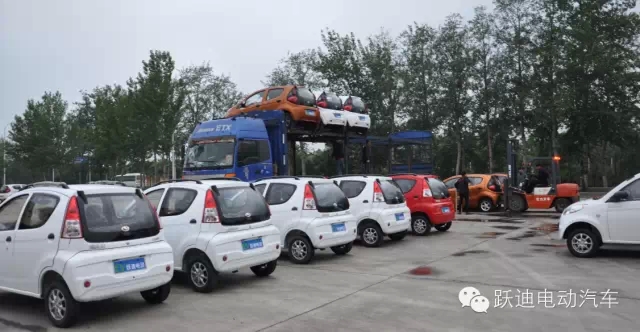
<point x="303" y="109"/>
<point x="69" y="244"/>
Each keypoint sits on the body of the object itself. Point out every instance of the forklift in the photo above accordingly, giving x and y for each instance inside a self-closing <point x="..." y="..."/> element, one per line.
<point x="556" y="195"/>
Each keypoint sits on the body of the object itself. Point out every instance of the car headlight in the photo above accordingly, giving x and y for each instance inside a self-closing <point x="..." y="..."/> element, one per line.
<point x="573" y="208"/>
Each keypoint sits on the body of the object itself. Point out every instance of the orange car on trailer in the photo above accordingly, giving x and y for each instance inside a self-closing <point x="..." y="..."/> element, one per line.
<point x="298" y="103"/>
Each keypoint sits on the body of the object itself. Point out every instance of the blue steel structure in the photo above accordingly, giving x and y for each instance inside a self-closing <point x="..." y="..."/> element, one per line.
<point x="270" y="126"/>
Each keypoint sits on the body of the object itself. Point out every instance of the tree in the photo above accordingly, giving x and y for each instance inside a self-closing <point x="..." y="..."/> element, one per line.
<point x="296" y="69"/>
<point x="39" y="135"/>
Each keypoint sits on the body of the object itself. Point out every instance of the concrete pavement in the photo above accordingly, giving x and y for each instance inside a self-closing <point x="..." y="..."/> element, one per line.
<point x="375" y="289"/>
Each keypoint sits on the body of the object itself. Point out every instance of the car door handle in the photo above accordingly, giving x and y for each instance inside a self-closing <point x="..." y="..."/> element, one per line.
<point x="8" y="239"/>
<point x="365" y="201"/>
<point x="294" y="209"/>
<point x="192" y="221"/>
<point x="51" y="236"/>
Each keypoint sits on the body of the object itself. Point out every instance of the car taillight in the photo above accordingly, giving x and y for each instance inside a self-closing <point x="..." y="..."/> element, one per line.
<point x="6" y="190"/>
<point x="322" y="103"/>
<point x="348" y="108"/>
<point x="492" y="187"/>
<point x="210" y="212"/>
<point x="309" y="202"/>
<point x="293" y="96"/>
<point x="155" y="212"/>
<point x="72" y="229"/>
<point x="377" y="193"/>
<point x="426" y="192"/>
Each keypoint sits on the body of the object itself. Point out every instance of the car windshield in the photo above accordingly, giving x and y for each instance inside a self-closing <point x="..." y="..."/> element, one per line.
<point x="438" y="189"/>
<point x="213" y="153"/>
<point x="391" y="192"/>
<point x="330" y="198"/>
<point x="357" y="105"/>
<point x="117" y="217"/>
<point x="241" y="205"/>
<point x="306" y="97"/>
<point x="333" y="101"/>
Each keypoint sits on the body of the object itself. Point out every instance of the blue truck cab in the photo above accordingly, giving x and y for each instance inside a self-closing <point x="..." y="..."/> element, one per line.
<point x="234" y="147"/>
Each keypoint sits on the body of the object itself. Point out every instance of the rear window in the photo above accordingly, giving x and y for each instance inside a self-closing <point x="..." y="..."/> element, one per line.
<point x="333" y="101"/>
<point x="391" y="192"/>
<point x="106" y="215"/>
<point x="306" y="97"/>
<point x="352" y="188"/>
<point x="406" y="184"/>
<point x="357" y="105"/>
<point x="241" y="205"/>
<point x="329" y="198"/>
<point x="438" y="189"/>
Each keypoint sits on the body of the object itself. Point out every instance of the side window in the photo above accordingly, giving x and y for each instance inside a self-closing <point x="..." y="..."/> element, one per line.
<point x="10" y="212"/>
<point x="280" y="193"/>
<point x="634" y="191"/>
<point x="38" y="210"/>
<point x="155" y="196"/>
<point x="451" y="183"/>
<point x="406" y="184"/>
<point x="274" y="93"/>
<point x="252" y="152"/>
<point x="352" y="189"/>
<point x="260" y="188"/>
<point x="475" y="181"/>
<point x="254" y="99"/>
<point x="177" y="201"/>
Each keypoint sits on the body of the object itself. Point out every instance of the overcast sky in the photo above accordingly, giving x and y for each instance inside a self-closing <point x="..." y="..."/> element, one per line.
<point x="70" y="45"/>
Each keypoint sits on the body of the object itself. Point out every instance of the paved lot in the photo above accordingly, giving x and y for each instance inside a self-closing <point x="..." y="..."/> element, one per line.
<point x="374" y="290"/>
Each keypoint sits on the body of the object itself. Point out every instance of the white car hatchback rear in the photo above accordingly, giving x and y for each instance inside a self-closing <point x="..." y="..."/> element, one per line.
<point x="331" y="113"/>
<point x="216" y="226"/>
<point x="8" y="190"/>
<point x="311" y="213"/>
<point x="82" y="243"/>
<point x="379" y="206"/>
<point x="358" y="119"/>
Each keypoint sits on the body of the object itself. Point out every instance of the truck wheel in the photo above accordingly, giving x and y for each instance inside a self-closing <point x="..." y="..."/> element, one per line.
<point x="516" y="203"/>
<point x="486" y="204"/>
<point x="583" y="243"/>
<point x="561" y="204"/>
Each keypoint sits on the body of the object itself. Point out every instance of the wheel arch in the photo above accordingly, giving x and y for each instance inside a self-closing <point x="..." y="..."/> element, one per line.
<point x="580" y="225"/>
<point x="47" y="277"/>
<point x="295" y="232"/>
<point x="191" y="252"/>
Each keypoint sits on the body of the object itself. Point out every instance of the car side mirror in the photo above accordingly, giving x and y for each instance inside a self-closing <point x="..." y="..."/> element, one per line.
<point x="620" y="196"/>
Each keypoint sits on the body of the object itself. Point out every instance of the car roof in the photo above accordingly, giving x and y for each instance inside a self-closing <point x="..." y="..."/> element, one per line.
<point x="102" y="189"/>
<point x="199" y="184"/>
<point x="294" y="179"/>
<point x="361" y="177"/>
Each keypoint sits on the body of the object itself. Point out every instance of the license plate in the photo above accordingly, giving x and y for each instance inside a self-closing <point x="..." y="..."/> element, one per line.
<point x="361" y="118"/>
<point x="399" y="216"/>
<point x="337" y="115"/>
<point x="252" y="244"/>
<point x="310" y="112"/>
<point x="445" y="210"/>
<point x="129" y="265"/>
<point x="338" y="227"/>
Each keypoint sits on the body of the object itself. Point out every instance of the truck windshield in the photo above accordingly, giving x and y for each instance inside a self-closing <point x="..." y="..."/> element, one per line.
<point x="210" y="153"/>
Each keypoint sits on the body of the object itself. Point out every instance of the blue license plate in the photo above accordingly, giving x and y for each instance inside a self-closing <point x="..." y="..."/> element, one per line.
<point x="399" y="216"/>
<point x="361" y="118"/>
<point x="252" y="244"/>
<point x="129" y="265"/>
<point x="337" y="115"/>
<point x="338" y="227"/>
<point x="310" y="112"/>
<point x="445" y="210"/>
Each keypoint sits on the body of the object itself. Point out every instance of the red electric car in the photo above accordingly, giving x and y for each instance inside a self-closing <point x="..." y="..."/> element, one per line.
<point x="428" y="199"/>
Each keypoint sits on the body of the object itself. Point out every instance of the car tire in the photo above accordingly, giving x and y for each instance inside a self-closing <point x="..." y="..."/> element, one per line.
<point x="343" y="249"/>
<point x="398" y="236"/>
<point x="202" y="277"/>
<point x="300" y="250"/>
<point x="583" y="243"/>
<point x="371" y="235"/>
<point x="420" y="225"/>
<point x="157" y="295"/>
<point x="443" y="227"/>
<point x="517" y="203"/>
<point x="265" y="270"/>
<point x="60" y="306"/>
<point x="561" y="203"/>
<point x="485" y="204"/>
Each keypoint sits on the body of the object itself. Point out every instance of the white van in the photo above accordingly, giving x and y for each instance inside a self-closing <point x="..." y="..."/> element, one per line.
<point x="135" y="180"/>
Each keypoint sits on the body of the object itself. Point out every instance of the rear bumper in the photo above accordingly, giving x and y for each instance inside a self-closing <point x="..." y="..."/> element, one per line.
<point x="330" y="118"/>
<point x="354" y="120"/>
<point x="390" y="225"/>
<point x="322" y="235"/>
<point x="105" y="283"/>
<point x="226" y="253"/>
